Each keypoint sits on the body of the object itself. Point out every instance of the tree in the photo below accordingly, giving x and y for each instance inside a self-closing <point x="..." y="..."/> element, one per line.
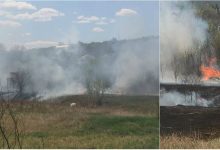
<point x="96" y="89"/>
<point x="209" y="11"/>
<point x="175" y="65"/>
<point x="190" y="67"/>
<point x="19" y="81"/>
<point x="216" y="45"/>
<point x="96" y="82"/>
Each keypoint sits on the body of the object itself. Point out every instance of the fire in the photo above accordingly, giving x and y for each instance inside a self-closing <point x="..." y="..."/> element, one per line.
<point x="209" y="72"/>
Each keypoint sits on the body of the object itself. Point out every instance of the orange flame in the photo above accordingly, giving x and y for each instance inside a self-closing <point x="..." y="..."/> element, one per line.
<point x="209" y="72"/>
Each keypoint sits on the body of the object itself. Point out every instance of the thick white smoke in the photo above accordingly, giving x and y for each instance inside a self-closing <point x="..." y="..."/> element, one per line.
<point x="131" y="66"/>
<point x="52" y="71"/>
<point x="180" y="30"/>
<point x="134" y="70"/>
<point x="175" y="98"/>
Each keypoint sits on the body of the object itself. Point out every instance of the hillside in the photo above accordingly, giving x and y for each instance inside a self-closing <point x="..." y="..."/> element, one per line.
<point x="128" y="65"/>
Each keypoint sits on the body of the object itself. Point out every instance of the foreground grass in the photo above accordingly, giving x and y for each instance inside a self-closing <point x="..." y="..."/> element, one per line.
<point x="116" y="124"/>
<point x="101" y="131"/>
<point x="183" y="142"/>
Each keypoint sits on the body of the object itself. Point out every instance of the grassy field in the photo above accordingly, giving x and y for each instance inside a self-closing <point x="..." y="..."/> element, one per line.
<point x="122" y="122"/>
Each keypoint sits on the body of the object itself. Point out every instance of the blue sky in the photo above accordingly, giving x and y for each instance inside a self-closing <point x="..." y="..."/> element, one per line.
<point x="48" y="22"/>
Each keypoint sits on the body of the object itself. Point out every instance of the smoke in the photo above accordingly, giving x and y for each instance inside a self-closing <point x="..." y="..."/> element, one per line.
<point x="50" y="69"/>
<point x="136" y="67"/>
<point x="131" y="66"/>
<point x="175" y="98"/>
<point x="180" y="30"/>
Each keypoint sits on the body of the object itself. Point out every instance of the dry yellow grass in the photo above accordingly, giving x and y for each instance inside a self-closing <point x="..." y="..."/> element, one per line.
<point x="183" y="142"/>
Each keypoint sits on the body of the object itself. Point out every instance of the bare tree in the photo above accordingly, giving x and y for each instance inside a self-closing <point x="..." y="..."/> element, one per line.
<point x="19" y="81"/>
<point x="96" y="89"/>
<point x="96" y="81"/>
<point x="189" y="67"/>
<point x="175" y="65"/>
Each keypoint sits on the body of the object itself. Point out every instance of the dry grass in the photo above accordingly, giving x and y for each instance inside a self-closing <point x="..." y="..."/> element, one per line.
<point x="116" y="124"/>
<point x="175" y="141"/>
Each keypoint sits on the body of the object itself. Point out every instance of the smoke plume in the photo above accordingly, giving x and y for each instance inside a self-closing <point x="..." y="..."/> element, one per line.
<point x="180" y="30"/>
<point x="175" y="98"/>
<point x="131" y="66"/>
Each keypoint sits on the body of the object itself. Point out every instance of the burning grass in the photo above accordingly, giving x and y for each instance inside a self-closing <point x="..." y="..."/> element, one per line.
<point x="122" y="122"/>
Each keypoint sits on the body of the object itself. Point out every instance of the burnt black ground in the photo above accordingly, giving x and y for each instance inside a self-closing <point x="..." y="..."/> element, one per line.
<point x="190" y="120"/>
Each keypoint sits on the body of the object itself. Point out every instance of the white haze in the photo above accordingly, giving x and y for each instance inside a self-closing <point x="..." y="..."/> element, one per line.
<point x="130" y="65"/>
<point x="180" y="30"/>
<point x="175" y="98"/>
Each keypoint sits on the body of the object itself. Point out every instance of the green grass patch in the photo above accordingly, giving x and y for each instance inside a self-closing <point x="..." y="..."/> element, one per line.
<point x="121" y="125"/>
<point x="101" y="131"/>
<point x="38" y="134"/>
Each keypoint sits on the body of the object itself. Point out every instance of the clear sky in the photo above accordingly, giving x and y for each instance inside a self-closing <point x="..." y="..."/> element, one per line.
<point x="47" y="22"/>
